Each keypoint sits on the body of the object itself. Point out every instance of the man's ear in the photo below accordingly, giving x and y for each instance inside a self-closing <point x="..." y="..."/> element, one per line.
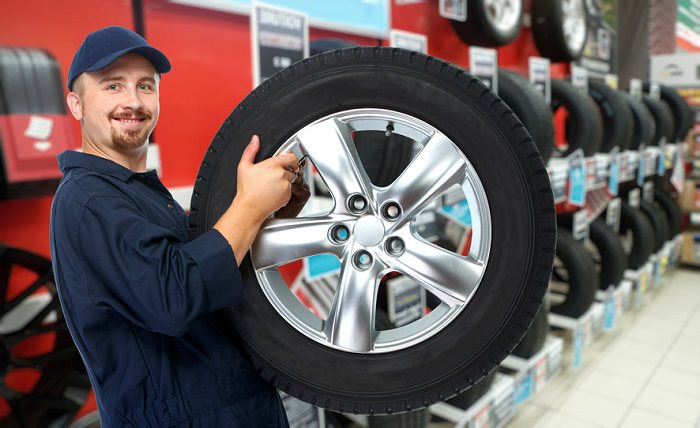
<point x="75" y="105"/>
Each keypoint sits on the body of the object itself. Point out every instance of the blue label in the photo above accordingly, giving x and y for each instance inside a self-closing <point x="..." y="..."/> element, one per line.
<point x="657" y="273"/>
<point x="609" y="320"/>
<point x="321" y="265"/>
<point x="577" y="186"/>
<point x="661" y="164"/>
<point x="523" y="391"/>
<point x="578" y="347"/>
<point x="614" y="178"/>
<point x="640" y="171"/>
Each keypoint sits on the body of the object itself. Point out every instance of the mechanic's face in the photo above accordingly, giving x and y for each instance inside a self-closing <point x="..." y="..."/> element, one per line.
<point x="118" y="106"/>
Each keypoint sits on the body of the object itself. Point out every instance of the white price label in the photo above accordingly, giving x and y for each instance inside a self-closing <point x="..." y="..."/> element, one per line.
<point x="636" y="88"/>
<point x="483" y="64"/>
<point x="407" y="40"/>
<point x="648" y="191"/>
<point x="633" y="197"/>
<point x="454" y="9"/>
<point x="540" y="76"/>
<point x="611" y="80"/>
<point x="579" y="78"/>
<point x="581" y="225"/>
<point x="612" y="214"/>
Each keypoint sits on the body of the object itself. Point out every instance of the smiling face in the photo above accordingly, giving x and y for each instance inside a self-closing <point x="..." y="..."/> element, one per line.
<point x="117" y="107"/>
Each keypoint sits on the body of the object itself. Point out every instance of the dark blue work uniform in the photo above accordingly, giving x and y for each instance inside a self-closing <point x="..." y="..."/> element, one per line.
<point x="139" y="300"/>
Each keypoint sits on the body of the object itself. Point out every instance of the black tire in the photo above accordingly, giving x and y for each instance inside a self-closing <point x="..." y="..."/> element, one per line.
<point x="618" y="123"/>
<point x="679" y="109"/>
<point x="658" y="221"/>
<point x="530" y="107"/>
<point x="513" y="283"/>
<point x="63" y="386"/>
<point x="671" y="209"/>
<point x="384" y="157"/>
<point x="642" y="122"/>
<point x="536" y="336"/>
<point x="473" y="394"/>
<point x="609" y="254"/>
<point x="638" y="235"/>
<point x="30" y="82"/>
<point x="548" y="30"/>
<point x="319" y="46"/>
<point x="663" y="120"/>
<point x="584" y="124"/>
<point x="576" y="273"/>
<point x="480" y="30"/>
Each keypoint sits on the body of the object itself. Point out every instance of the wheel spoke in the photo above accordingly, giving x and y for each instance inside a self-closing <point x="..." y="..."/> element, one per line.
<point x="449" y="276"/>
<point x="329" y="145"/>
<point x="284" y="240"/>
<point x="437" y="168"/>
<point x="350" y="321"/>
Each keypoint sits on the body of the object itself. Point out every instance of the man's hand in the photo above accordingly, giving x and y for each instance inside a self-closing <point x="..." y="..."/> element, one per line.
<point x="262" y="189"/>
<point x="300" y="194"/>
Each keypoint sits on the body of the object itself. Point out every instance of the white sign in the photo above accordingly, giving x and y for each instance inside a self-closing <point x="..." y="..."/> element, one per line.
<point x="636" y="88"/>
<point x="407" y="40"/>
<point x="540" y="77"/>
<point x="483" y="64"/>
<point x="454" y="9"/>
<point x="579" y="77"/>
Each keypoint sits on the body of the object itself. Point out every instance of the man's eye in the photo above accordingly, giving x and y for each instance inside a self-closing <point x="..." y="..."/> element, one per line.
<point x="112" y="87"/>
<point x="145" y="87"/>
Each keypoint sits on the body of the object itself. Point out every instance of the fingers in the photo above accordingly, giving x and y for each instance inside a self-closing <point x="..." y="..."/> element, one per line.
<point x="248" y="157"/>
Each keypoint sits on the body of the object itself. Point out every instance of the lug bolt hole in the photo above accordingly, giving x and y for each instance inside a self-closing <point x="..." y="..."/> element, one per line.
<point x="391" y="211"/>
<point x="357" y="204"/>
<point x="340" y="233"/>
<point x="362" y="260"/>
<point x="395" y="246"/>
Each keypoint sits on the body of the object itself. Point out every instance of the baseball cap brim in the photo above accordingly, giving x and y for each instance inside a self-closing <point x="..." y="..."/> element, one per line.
<point x="159" y="61"/>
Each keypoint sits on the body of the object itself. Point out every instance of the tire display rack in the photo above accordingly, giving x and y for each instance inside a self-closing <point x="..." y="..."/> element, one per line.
<point x="518" y="379"/>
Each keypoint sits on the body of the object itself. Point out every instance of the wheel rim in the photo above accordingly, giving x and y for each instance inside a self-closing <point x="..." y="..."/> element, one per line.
<point x="378" y="237"/>
<point x="503" y="14"/>
<point x="574" y="24"/>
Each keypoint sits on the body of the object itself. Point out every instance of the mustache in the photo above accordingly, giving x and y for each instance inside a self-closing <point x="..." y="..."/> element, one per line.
<point x="132" y="114"/>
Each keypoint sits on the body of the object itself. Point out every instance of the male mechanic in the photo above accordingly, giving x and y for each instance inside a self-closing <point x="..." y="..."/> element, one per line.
<point x="138" y="297"/>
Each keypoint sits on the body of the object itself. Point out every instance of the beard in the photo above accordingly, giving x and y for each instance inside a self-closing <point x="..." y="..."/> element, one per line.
<point x="132" y="139"/>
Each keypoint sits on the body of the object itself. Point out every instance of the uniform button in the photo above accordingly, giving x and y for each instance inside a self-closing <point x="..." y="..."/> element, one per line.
<point x="170" y="205"/>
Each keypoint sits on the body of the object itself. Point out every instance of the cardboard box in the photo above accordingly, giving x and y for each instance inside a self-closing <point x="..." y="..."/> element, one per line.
<point x="690" y="249"/>
<point x="689" y="199"/>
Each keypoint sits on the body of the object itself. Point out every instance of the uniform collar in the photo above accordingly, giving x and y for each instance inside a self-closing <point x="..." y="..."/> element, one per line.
<point x="73" y="159"/>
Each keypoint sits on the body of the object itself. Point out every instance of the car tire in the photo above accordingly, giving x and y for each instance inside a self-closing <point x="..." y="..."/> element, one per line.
<point x="638" y="235"/>
<point x="642" y="122"/>
<point x="662" y="120"/>
<point x="618" y="125"/>
<point x="575" y="280"/>
<point x="530" y="107"/>
<point x="490" y="24"/>
<point x="468" y="122"/>
<point x="671" y="209"/>
<point x="550" y="25"/>
<point x="584" y="124"/>
<point x="658" y="221"/>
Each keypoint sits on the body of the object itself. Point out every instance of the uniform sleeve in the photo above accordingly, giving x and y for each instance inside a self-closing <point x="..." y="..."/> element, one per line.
<point x="147" y="274"/>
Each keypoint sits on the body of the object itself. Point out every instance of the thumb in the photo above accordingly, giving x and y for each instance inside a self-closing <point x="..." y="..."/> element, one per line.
<point x="250" y="151"/>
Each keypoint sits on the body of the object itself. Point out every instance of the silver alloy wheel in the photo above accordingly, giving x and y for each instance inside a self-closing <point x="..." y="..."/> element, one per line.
<point x="383" y="237"/>
<point x="574" y="24"/>
<point x="504" y="15"/>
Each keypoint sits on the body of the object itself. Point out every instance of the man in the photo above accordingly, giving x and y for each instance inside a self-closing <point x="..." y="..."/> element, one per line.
<point x="139" y="299"/>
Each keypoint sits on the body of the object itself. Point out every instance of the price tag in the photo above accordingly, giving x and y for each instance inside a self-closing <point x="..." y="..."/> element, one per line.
<point x="540" y="371"/>
<point x="678" y="174"/>
<point x="406" y="300"/>
<point x="280" y="38"/>
<point x="612" y="214"/>
<point x="454" y="9"/>
<point x="579" y="77"/>
<point x="633" y="197"/>
<point x="482" y="418"/>
<point x="540" y="76"/>
<point x="523" y="390"/>
<point x="577" y="178"/>
<point x="579" y="333"/>
<point x="580" y="225"/>
<point x="648" y="191"/>
<point x="407" y="40"/>
<point x="655" y="91"/>
<point x="611" y="80"/>
<point x="614" y="171"/>
<point x="636" y="88"/>
<point x="610" y="303"/>
<point x="641" y="168"/>
<point x="619" y="300"/>
<point x="483" y="64"/>
<point x="661" y="161"/>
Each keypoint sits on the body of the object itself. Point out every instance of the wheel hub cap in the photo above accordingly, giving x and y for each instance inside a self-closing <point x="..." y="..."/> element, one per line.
<point x="369" y="231"/>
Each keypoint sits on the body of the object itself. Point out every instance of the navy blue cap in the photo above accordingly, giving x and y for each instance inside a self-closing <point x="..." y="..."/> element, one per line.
<point x="102" y="47"/>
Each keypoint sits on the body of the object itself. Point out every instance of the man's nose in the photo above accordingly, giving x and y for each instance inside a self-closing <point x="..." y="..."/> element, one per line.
<point x="132" y="98"/>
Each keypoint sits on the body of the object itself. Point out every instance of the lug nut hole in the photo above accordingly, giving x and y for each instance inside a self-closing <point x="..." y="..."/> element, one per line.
<point x="357" y="204"/>
<point x="395" y="246"/>
<point x="391" y="211"/>
<point x="340" y="233"/>
<point x="362" y="260"/>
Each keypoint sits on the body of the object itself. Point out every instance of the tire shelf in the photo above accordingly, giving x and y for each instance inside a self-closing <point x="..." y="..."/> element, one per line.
<point x="525" y="378"/>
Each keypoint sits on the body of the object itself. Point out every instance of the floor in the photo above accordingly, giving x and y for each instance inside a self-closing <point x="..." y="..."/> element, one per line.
<point x="644" y="373"/>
